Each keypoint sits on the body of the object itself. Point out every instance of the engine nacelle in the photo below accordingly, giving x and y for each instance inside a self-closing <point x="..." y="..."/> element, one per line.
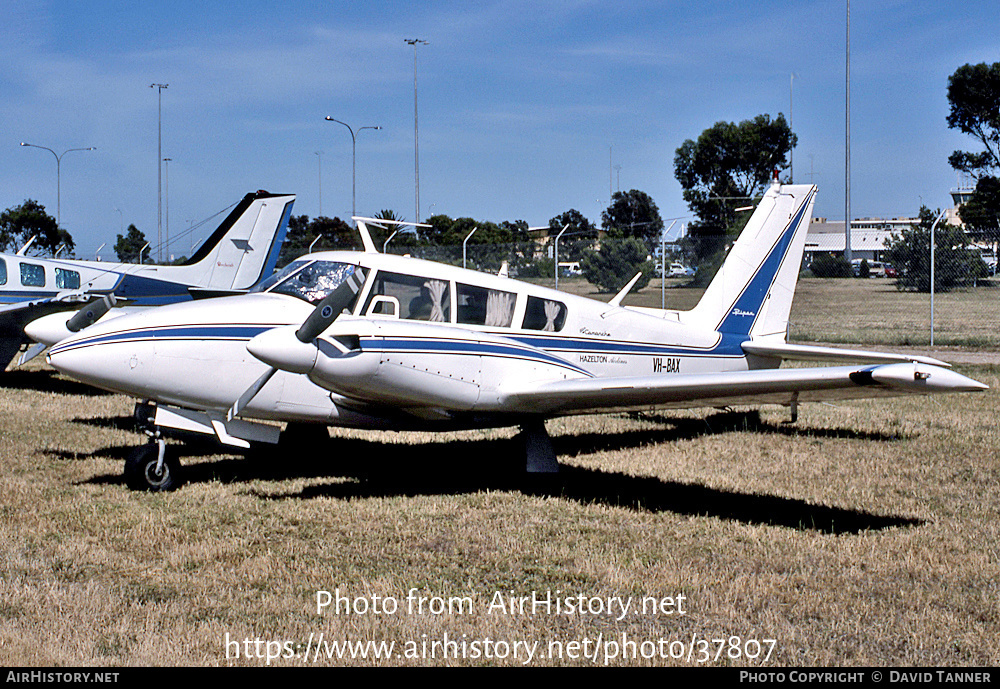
<point x="413" y="364"/>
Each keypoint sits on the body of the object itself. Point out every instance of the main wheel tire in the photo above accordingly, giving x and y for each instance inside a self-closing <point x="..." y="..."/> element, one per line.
<point x="140" y="469"/>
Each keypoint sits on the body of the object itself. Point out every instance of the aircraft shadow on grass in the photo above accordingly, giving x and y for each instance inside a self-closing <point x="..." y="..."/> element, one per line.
<point x="47" y="380"/>
<point x="372" y="468"/>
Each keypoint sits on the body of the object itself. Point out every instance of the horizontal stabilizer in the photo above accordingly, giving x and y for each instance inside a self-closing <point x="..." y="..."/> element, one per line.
<point x="796" y="352"/>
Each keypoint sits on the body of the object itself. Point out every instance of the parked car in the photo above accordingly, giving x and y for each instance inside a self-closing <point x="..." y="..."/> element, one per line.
<point x="675" y="270"/>
<point x="876" y="269"/>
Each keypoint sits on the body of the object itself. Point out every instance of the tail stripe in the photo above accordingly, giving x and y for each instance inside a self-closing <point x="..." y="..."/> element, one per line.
<point x="747" y="307"/>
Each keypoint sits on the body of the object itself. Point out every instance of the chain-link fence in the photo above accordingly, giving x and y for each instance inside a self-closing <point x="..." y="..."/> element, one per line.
<point x="875" y="302"/>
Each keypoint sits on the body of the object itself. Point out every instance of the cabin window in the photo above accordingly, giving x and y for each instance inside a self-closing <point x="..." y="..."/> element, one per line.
<point x="544" y="314"/>
<point x="32" y="275"/>
<point x="314" y="280"/>
<point x="3" y="272"/>
<point x="67" y="279"/>
<point x="418" y="298"/>
<point x="482" y="306"/>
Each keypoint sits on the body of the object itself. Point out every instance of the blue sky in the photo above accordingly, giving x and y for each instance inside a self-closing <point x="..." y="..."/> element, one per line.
<point x="523" y="106"/>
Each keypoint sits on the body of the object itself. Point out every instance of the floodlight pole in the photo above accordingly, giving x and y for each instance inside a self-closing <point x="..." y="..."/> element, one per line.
<point x="166" y="205"/>
<point x="58" y="157"/>
<point x="319" y="157"/>
<point x="416" y="132"/>
<point x="159" y="169"/>
<point x="848" y="256"/>
<point x="791" y="127"/>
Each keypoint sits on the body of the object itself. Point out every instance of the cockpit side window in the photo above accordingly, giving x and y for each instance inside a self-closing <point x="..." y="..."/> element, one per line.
<point x="3" y="272"/>
<point x="312" y="280"/>
<point x="544" y="314"/>
<point x="419" y="298"/>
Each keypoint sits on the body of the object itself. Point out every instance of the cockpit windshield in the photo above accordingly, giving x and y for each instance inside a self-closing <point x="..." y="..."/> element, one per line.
<point x="309" y="280"/>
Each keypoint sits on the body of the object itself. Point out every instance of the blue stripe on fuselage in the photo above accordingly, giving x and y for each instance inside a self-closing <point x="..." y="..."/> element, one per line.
<point x="187" y="332"/>
<point x="550" y="348"/>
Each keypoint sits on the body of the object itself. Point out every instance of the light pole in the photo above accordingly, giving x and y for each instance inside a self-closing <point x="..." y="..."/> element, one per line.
<point x="166" y="204"/>
<point x="556" y="252"/>
<point x="58" y="157"/>
<point x="848" y="255"/>
<point x="385" y="244"/>
<point x="354" y="158"/>
<point x="319" y="158"/>
<point x="159" y="170"/>
<point x="791" y="126"/>
<point x="416" y="137"/>
<point x="465" y="241"/>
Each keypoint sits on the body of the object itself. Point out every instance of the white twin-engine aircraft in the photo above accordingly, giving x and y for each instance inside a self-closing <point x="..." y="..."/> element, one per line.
<point x="243" y="250"/>
<point x="370" y="340"/>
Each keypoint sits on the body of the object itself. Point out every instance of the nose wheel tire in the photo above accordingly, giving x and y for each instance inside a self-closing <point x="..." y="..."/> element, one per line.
<point x="144" y="472"/>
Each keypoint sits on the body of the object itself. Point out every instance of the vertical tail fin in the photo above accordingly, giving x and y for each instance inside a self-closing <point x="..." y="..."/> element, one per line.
<point x="752" y="292"/>
<point x="245" y="246"/>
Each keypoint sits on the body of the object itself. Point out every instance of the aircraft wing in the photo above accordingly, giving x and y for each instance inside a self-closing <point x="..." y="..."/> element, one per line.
<point x="768" y="386"/>
<point x="13" y="317"/>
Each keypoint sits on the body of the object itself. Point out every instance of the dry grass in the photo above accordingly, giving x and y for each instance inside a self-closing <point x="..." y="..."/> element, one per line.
<point x="866" y="534"/>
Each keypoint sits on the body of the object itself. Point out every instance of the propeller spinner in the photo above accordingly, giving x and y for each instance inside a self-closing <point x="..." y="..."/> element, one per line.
<point x="278" y="351"/>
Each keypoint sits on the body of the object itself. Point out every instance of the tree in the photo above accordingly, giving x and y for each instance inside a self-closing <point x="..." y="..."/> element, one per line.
<point x="974" y="96"/>
<point x="617" y="262"/>
<point x="633" y="214"/>
<point x="981" y="214"/>
<point x="829" y="266"/>
<point x="728" y="165"/>
<point x="127" y="247"/>
<point x="336" y="234"/>
<point x="487" y="249"/>
<point x="21" y="223"/>
<point x="580" y="234"/>
<point x="956" y="263"/>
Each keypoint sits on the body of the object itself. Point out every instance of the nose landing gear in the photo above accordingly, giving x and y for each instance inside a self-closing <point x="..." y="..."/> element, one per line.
<point x="153" y="467"/>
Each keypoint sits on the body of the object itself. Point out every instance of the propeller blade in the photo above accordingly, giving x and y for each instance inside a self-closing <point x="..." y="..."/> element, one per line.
<point x="90" y="313"/>
<point x="331" y="306"/>
<point x="323" y="315"/>
<point x="249" y="394"/>
<point x="33" y="351"/>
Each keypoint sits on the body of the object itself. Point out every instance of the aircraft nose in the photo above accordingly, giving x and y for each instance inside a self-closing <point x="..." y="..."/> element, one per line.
<point x="105" y="359"/>
<point x="88" y="364"/>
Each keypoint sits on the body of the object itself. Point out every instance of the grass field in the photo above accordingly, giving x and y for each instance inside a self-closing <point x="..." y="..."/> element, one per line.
<point x="865" y="534"/>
